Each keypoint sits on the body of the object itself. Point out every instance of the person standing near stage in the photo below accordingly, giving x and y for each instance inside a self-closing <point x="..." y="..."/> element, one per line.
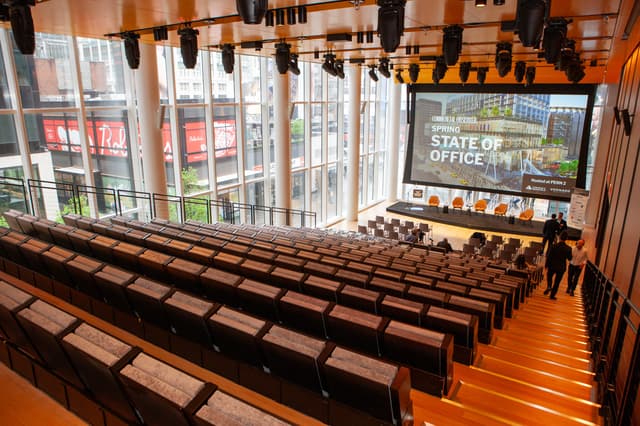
<point x="578" y="260"/>
<point x="549" y="232"/>
<point x="556" y="264"/>
<point x="562" y="223"/>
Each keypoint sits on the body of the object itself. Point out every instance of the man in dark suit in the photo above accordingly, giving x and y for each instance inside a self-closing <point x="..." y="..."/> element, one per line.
<point x="549" y="232"/>
<point x="556" y="264"/>
<point x="562" y="223"/>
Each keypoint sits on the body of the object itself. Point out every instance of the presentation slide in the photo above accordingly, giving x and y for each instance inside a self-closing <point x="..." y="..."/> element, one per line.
<point x="497" y="142"/>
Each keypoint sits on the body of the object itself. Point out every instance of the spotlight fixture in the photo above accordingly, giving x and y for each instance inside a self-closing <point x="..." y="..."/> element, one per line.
<point x="481" y="3"/>
<point x="302" y="14"/>
<point x="482" y="74"/>
<point x="416" y="49"/>
<point x="329" y="64"/>
<point x="228" y="58"/>
<point x="291" y="16"/>
<point x="503" y="58"/>
<point x="498" y="2"/>
<point x="626" y="121"/>
<point x="575" y="71"/>
<point x="316" y="54"/>
<point x="390" y="23"/>
<point x="530" y="17"/>
<point x="160" y="34"/>
<point x="530" y="76"/>
<point x="414" y="72"/>
<point x="369" y="36"/>
<point x="399" y="78"/>
<point x="441" y="67"/>
<point x="279" y="17"/>
<point x="519" y="71"/>
<point x="132" y="49"/>
<point x="283" y="57"/>
<point x="252" y="11"/>
<point x="372" y="73"/>
<point x="22" y="25"/>
<point x="452" y="43"/>
<point x="465" y="68"/>
<point x="269" y="18"/>
<point x="554" y="35"/>
<point x="293" y="65"/>
<point x="189" y="46"/>
<point x="339" y="66"/>
<point x="407" y="50"/>
<point x="360" y="37"/>
<point x="383" y="68"/>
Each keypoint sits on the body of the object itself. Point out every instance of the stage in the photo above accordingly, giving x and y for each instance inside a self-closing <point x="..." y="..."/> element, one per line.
<point x="472" y="220"/>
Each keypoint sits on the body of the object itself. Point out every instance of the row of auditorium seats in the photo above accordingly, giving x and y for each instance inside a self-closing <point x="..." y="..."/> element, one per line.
<point x="347" y="326"/>
<point x="285" y="351"/>
<point x="136" y="387"/>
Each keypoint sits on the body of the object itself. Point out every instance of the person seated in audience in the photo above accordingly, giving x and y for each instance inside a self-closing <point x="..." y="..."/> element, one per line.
<point x="480" y="236"/>
<point x="412" y="237"/>
<point x="445" y="245"/>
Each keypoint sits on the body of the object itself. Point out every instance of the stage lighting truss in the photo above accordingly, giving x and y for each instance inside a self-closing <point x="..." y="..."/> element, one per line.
<point x="329" y="64"/>
<point x="228" y="58"/>
<point x="530" y="17"/>
<point x="132" y="49"/>
<point x="189" y="46"/>
<point x="293" y="65"/>
<point x="414" y="72"/>
<point x="553" y="40"/>
<point x="383" y="68"/>
<point x="530" y="76"/>
<point x="519" y="71"/>
<point x="372" y="73"/>
<point x="465" y="69"/>
<point x="283" y="57"/>
<point x="452" y="43"/>
<point x="482" y="74"/>
<point x="503" y="58"/>
<point x="390" y="23"/>
<point x="252" y="11"/>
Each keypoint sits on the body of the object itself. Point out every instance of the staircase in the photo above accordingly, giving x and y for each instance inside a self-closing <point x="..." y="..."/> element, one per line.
<point x="536" y="370"/>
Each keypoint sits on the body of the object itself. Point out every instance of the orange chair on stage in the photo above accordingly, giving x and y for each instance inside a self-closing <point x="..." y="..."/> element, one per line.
<point x="458" y="203"/>
<point x="434" y="201"/>
<point x="501" y="209"/>
<point x="481" y="205"/>
<point x="526" y="215"/>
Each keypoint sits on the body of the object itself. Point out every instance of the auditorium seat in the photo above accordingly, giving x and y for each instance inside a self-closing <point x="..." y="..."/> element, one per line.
<point x="260" y="299"/>
<point x="463" y="327"/>
<point x="79" y="239"/>
<point x="483" y="310"/>
<point x="428" y="296"/>
<point x="403" y="310"/>
<point x="55" y="260"/>
<point x="237" y="335"/>
<point x="498" y="300"/>
<point x="102" y="247"/>
<point x="96" y="357"/>
<point x="161" y="393"/>
<point x="356" y="329"/>
<point x="188" y="316"/>
<point x="11" y="216"/>
<point x="154" y="264"/>
<point x="305" y="313"/>
<point x="321" y="287"/>
<point x="112" y="283"/>
<point x="220" y="286"/>
<point x="12" y="301"/>
<point x="386" y="286"/>
<point x="375" y="387"/>
<point x="32" y="250"/>
<point x="223" y="409"/>
<point x="186" y="274"/>
<point x="82" y="270"/>
<point x="60" y="235"/>
<point x="147" y="298"/>
<point x="46" y="325"/>
<point x="361" y="299"/>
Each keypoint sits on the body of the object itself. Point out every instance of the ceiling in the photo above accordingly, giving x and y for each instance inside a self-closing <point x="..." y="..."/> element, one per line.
<point x="597" y="26"/>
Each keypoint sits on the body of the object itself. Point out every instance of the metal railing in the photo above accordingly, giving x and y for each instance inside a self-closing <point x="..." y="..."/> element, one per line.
<point x="614" y="324"/>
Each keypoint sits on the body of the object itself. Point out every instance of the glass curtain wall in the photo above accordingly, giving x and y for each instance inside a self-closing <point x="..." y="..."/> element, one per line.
<point x="76" y="119"/>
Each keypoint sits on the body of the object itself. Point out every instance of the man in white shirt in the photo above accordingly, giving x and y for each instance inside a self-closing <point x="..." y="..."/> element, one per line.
<point x="578" y="260"/>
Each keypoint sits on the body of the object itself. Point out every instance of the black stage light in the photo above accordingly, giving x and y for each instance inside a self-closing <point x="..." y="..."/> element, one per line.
<point x="399" y="76"/>
<point x="383" y="68"/>
<point x="407" y="50"/>
<point x="22" y="25"/>
<point x="283" y="56"/>
<point x="503" y="58"/>
<point x="626" y="121"/>
<point x="293" y="64"/>
<point x="465" y="68"/>
<point x="279" y="17"/>
<point x="414" y="72"/>
<point x="252" y="11"/>
<point x="390" y="23"/>
<point x="441" y="67"/>
<point x="269" y="18"/>
<point x="302" y="14"/>
<point x="616" y="114"/>
<point x="329" y="64"/>
<point x="554" y="35"/>
<point x="132" y="49"/>
<point x="160" y="34"/>
<point x="575" y="71"/>
<point x="416" y="50"/>
<point x="519" y="71"/>
<point x="530" y="76"/>
<point x="360" y="37"/>
<point x="372" y="73"/>
<point x="189" y="46"/>
<point x="482" y="74"/>
<point x="530" y="19"/>
<point x="369" y="36"/>
<point x="291" y="16"/>
<point x="339" y="66"/>
<point x="228" y="59"/>
<point x="452" y="43"/>
<point x="498" y="2"/>
<point x="481" y="3"/>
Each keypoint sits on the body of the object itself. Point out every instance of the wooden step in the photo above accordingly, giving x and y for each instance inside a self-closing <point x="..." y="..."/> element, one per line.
<point x="513" y="409"/>
<point x="444" y="412"/>
<point x="547" y="336"/>
<point x="536" y="377"/>
<point x="552" y="310"/>
<point x="539" y="395"/>
<point x="538" y="324"/>
<point x="555" y="367"/>
<point x="518" y="341"/>
<point x="580" y="362"/>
